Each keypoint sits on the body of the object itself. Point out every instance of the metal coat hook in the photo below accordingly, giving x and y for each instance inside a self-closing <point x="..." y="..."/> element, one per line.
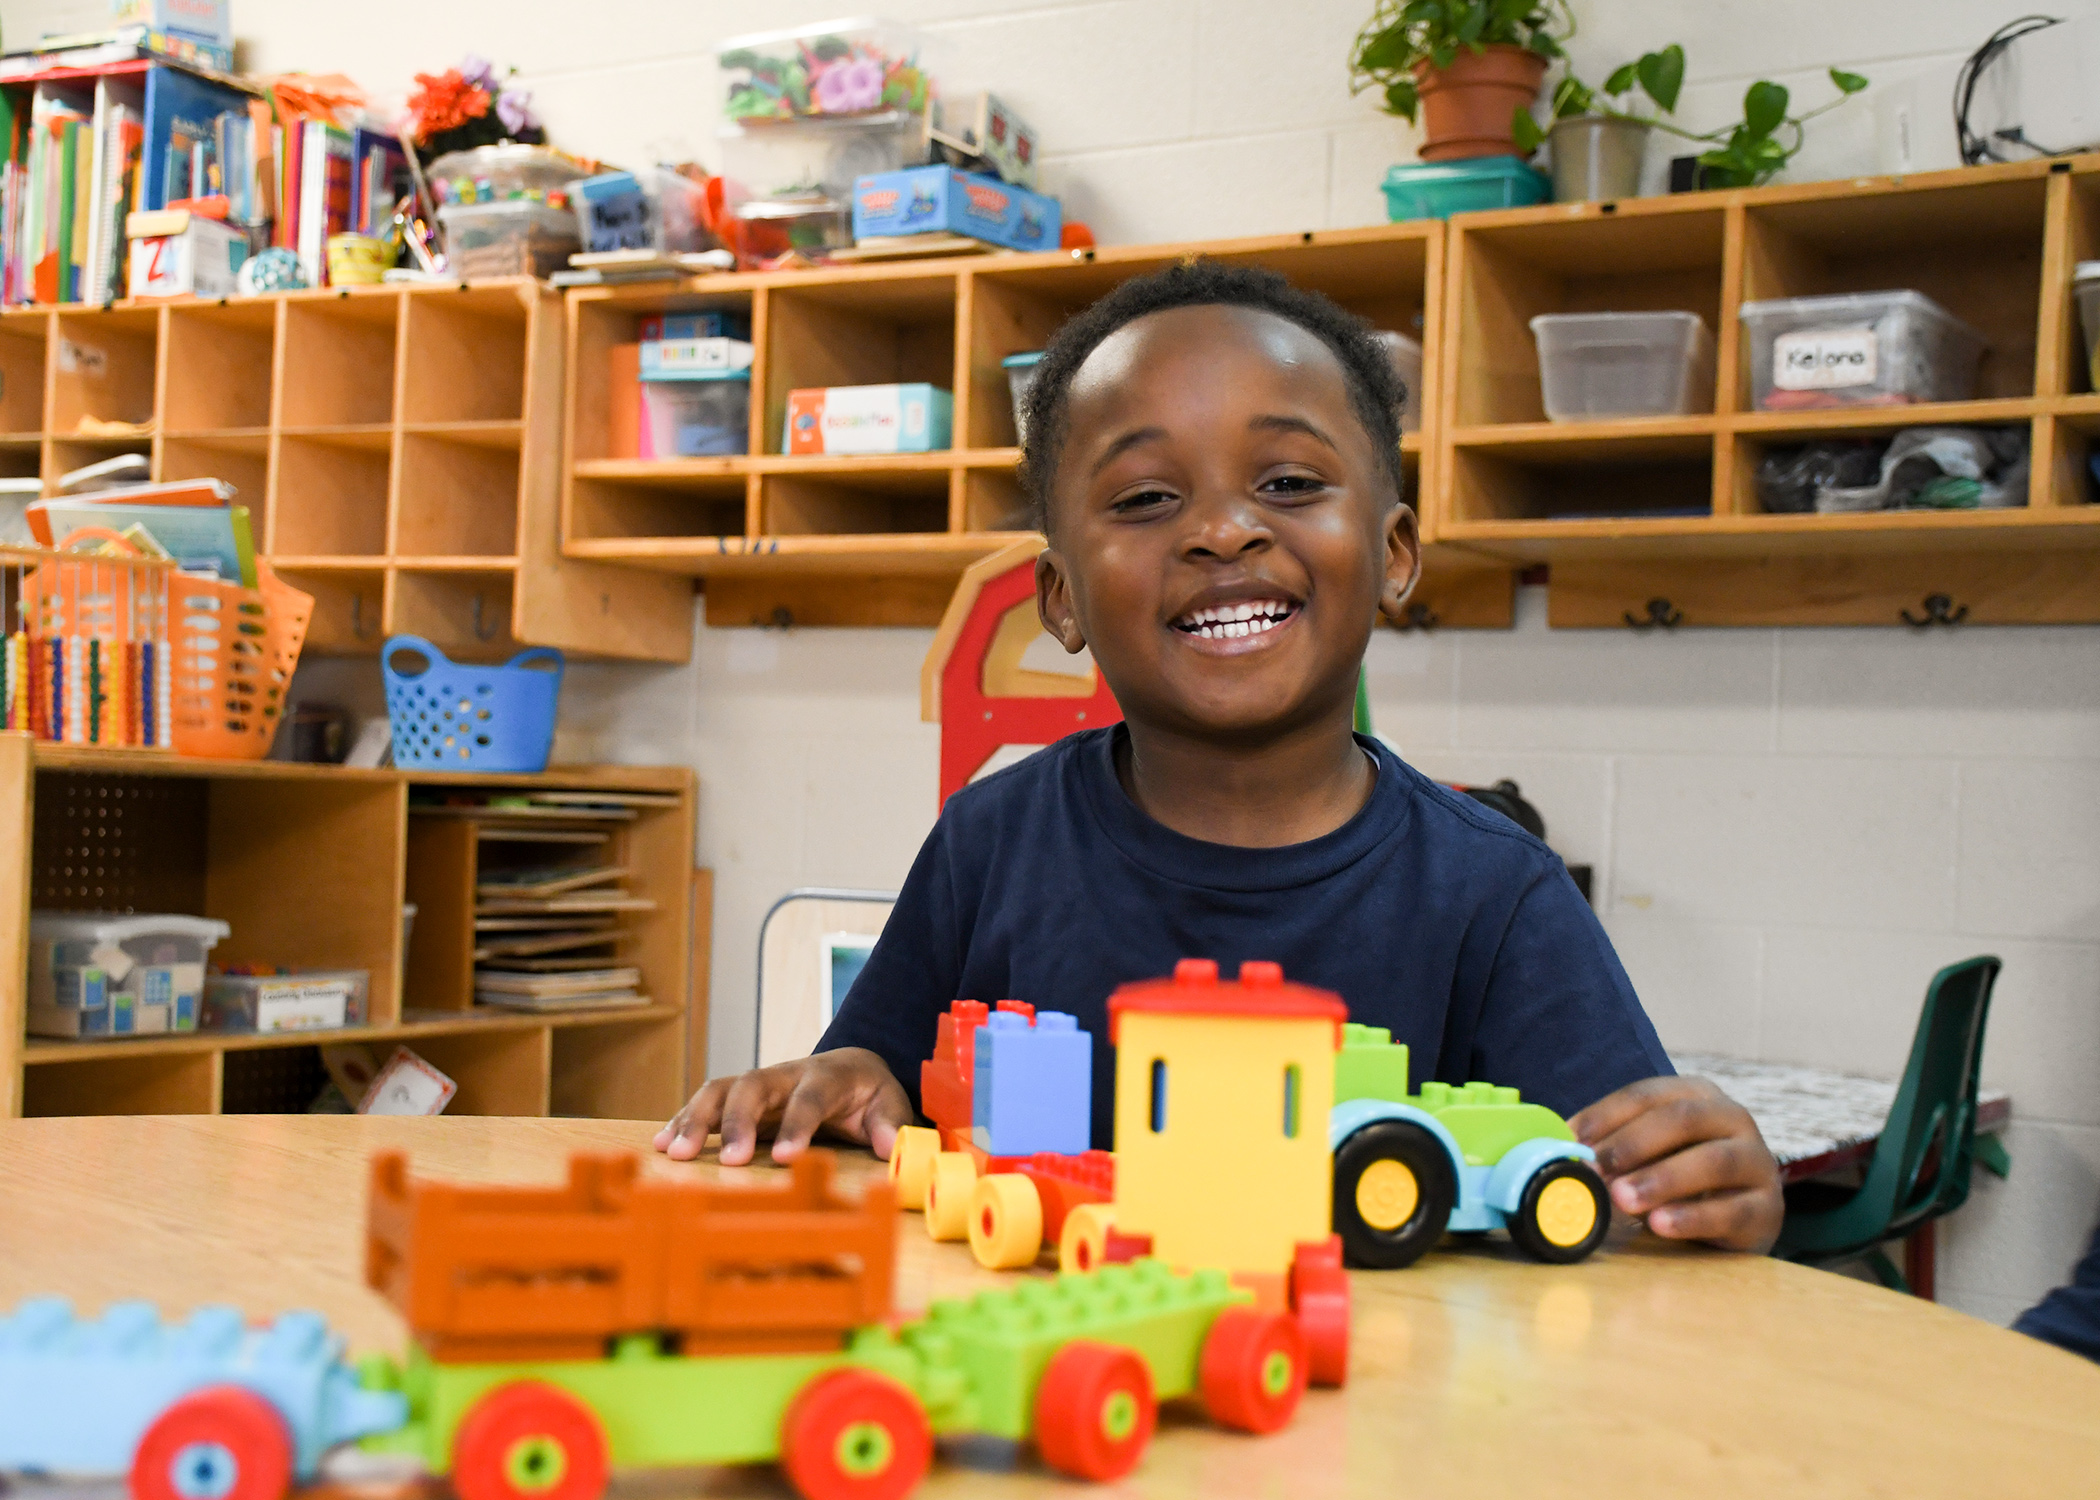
<point x="481" y="632"/>
<point x="1940" y="609"/>
<point x="1418" y="616"/>
<point x="357" y="617"/>
<point x="1660" y="613"/>
<point x="782" y="618"/>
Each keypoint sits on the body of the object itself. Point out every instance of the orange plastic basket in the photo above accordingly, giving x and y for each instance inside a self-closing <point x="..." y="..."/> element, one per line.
<point x="235" y="649"/>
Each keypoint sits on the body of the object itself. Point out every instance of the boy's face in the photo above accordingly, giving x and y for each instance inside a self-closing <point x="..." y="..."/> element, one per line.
<point x="1223" y="531"/>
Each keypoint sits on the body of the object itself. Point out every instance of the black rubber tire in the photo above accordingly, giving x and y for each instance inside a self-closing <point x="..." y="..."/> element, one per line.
<point x="1524" y="1223"/>
<point x="1436" y="1192"/>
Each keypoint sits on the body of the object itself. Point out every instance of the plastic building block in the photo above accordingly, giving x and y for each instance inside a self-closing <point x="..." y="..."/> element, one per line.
<point x="1319" y="1295"/>
<point x="530" y="1441"/>
<point x="1082" y="1244"/>
<point x="949" y="1187"/>
<point x="1032" y="1086"/>
<point x="221" y="1441"/>
<point x="80" y="1396"/>
<point x="855" y="1435"/>
<point x="1371" y="1065"/>
<point x="1003" y="1341"/>
<point x="500" y="1273"/>
<point x="1066" y="1182"/>
<point x="1223" y="1092"/>
<point x="1006" y="1221"/>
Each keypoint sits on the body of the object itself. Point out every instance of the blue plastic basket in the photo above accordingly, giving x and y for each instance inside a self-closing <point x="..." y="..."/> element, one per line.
<point x="455" y="716"/>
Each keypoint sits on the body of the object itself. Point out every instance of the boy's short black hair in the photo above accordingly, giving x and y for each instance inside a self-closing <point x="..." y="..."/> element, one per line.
<point x="1375" y="388"/>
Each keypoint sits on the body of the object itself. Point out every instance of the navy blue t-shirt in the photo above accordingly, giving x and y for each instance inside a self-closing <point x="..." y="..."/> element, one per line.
<point x="1426" y="912"/>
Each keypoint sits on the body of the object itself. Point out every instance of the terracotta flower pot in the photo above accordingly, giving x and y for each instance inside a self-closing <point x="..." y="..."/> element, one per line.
<point x="1466" y="108"/>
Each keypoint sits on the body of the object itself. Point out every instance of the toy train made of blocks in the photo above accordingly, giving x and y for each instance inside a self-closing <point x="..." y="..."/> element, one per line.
<point x="628" y="1320"/>
<point x="1211" y="1072"/>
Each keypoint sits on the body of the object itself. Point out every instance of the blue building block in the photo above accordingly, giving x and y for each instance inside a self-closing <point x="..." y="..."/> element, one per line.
<point x="1034" y="1085"/>
<point x="76" y="1396"/>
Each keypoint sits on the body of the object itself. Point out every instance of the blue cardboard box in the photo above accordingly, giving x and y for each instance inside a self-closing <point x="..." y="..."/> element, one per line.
<point x="941" y="200"/>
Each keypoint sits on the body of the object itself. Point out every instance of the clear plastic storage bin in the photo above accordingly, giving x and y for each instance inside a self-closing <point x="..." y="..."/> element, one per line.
<point x="698" y="418"/>
<point x="514" y="237"/>
<point x="1597" y="366"/>
<point x="300" y="1000"/>
<point x="1858" y="349"/>
<point x="1406" y="354"/>
<point x="98" y="975"/>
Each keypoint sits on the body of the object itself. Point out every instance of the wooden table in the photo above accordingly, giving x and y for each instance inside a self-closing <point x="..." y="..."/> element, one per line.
<point x="1817" y="1122"/>
<point x="1651" y="1370"/>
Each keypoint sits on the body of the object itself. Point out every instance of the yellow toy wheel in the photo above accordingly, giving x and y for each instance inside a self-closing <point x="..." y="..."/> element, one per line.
<point x="1083" y="1246"/>
<point x="948" y="1187"/>
<point x="1006" y="1221"/>
<point x="1563" y="1213"/>
<point x="911" y="1162"/>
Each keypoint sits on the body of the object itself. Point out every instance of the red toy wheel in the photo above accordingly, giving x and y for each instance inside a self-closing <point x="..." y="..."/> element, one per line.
<point x="1094" y="1411"/>
<point x="220" y="1443"/>
<point x="1320" y="1298"/>
<point x="1253" y="1369"/>
<point x="529" y="1441"/>
<point x="854" y="1435"/>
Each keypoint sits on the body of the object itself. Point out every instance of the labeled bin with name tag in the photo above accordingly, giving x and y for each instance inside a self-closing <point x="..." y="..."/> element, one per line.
<point x="1891" y="348"/>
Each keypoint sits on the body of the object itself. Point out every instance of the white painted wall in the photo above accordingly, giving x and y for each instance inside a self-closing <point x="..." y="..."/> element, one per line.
<point x="1791" y="829"/>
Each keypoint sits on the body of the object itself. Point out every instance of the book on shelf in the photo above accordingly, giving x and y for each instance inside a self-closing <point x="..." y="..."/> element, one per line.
<point x="121" y="44"/>
<point x="324" y="194"/>
<point x="380" y="179"/>
<point x="193" y="521"/>
<point x="546" y="880"/>
<point x="615" y="1000"/>
<point x="182" y="110"/>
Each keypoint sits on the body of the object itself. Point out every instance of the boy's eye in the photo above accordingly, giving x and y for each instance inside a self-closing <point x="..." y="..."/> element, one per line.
<point x="1293" y="486"/>
<point x="1140" y="501"/>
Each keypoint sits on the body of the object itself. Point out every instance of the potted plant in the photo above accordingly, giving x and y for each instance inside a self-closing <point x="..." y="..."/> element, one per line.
<point x="1465" y="66"/>
<point x="1597" y="138"/>
<point x="1750" y="151"/>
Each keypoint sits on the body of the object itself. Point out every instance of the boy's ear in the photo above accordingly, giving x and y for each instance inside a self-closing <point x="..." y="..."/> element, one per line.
<point x="1403" y="562"/>
<point x="1053" y="602"/>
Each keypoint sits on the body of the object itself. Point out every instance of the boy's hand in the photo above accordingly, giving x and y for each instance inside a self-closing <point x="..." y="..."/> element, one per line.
<point x="1690" y="1158"/>
<point x="851" y="1091"/>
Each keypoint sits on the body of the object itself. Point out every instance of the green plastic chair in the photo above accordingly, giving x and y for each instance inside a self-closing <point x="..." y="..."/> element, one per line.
<point x="1920" y="1167"/>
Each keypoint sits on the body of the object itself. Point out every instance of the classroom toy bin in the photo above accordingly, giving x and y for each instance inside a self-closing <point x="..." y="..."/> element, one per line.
<point x="1858" y="349"/>
<point x="84" y="653"/>
<point x="460" y="716"/>
<point x="235" y="650"/>
<point x="1597" y="366"/>
<point x="1437" y="190"/>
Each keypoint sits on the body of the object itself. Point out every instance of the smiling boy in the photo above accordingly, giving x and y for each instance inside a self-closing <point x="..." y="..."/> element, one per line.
<point x="1214" y="458"/>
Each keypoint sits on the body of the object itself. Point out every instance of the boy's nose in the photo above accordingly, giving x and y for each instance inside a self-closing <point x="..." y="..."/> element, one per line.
<point x="1225" y="526"/>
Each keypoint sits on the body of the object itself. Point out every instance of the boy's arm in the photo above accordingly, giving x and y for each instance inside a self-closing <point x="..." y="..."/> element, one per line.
<point x="1561" y="1020"/>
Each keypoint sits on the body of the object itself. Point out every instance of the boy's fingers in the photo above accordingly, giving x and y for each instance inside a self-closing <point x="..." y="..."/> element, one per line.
<point x="888" y="1113"/>
<point x="1745" y="1219"/>
<point x="1667" y="1125"/>
<point x="683" y="1138"/>
<point x="1709" y="1167"/>
<point x="750" y="1100"/>
<point x="1616" y="1108"/>
<point x="807" y="1108"/>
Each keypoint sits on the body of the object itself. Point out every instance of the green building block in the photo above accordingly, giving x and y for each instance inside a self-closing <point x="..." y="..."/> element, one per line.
<point x="1487" y="1120"/>
<point x="1371" y="1065"/>
<point x="657" y="1410"/>
<point x="1002" y="1341"/>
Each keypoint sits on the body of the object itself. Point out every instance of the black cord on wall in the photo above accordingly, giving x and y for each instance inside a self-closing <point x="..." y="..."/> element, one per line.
<point x="1976" y="148"/>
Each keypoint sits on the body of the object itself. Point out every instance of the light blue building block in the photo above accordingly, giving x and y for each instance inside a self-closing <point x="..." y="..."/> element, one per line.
<point x="1034" y="1085"/>
<point x="76" y="1397"/>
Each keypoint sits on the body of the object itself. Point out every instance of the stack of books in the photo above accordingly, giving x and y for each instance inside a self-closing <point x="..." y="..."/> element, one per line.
<point x="546" y="938"/>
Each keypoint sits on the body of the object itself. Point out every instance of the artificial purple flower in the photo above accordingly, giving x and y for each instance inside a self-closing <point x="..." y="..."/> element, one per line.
<point x="479" y="71"/>
<point x="514" y="108"/>
<point x="846" y="87"/>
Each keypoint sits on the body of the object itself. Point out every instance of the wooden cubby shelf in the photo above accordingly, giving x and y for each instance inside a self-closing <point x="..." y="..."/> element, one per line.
<point x="310" y="867"/>
<point x="1666" y="508"/>
<point x="372" y="432"/>
<point x="882" y="540"/>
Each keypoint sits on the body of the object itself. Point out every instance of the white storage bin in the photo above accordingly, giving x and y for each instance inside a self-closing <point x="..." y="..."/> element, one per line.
<point x="513" y="237"/>
<point x="1406" y="354"/>
<point x="1597" y="366"/>
<point x="1858" y="349"/>
<point x="98" y="974"/>
<point x="299" y="1000"/>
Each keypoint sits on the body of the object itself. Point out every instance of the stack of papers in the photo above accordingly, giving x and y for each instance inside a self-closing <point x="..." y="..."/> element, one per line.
<point x="547" y="937"/>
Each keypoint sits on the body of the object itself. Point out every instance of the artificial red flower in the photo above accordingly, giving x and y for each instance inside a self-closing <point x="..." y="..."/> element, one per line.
<point x="445" y="101"/>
